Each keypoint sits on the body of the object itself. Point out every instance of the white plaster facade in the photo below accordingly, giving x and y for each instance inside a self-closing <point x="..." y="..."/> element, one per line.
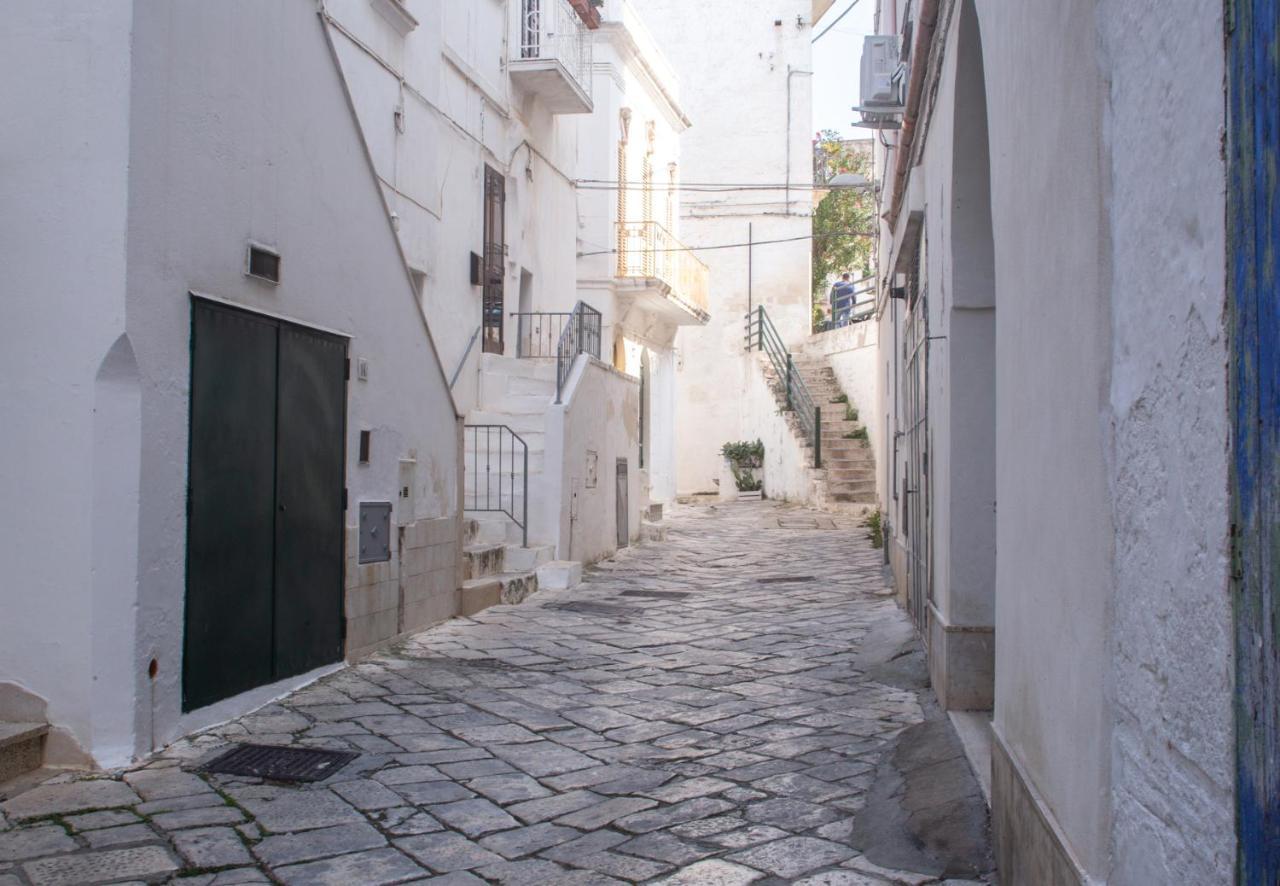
<point x="1075" y="379"/>
<point x="746" y="69"/>
<point x="141" y="166"/>
<point x="436" y="89"/>
<point x="631" y="262"/>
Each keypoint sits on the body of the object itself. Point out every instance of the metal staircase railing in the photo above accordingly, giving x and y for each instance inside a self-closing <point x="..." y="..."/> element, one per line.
<point x="496" y="462"/>
<point x="581" y="336"/>
<point x="763" y="336"/>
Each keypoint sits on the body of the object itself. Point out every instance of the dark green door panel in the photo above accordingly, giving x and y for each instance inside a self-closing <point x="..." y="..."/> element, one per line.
<point x="266" y="478"/>
<point x="309" y="482"/>
<point x="231" y="477"/>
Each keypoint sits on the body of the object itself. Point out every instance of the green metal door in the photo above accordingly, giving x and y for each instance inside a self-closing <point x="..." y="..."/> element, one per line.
<point x="309" y="482"/>
<point x="230" y="505"/>
<point x="265" y="525"/>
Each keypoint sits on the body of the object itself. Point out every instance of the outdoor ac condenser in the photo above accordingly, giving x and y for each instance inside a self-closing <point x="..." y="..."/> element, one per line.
<point x="881" y="82"/>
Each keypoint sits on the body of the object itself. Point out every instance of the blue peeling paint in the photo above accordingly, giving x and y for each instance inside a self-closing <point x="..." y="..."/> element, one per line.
<point x="1253" y="111"/>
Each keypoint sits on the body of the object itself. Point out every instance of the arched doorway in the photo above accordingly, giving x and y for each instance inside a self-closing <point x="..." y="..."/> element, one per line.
<point x="962" y="344"/>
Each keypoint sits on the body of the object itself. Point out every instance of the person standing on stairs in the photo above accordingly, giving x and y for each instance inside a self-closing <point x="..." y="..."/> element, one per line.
<point x="842" y="295"/>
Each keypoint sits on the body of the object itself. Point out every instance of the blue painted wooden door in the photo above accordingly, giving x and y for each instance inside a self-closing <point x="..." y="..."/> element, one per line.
<point x="1253" y="114"/>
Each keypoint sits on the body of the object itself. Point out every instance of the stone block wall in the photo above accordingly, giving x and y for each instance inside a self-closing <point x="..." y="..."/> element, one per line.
<point x="416" y="588"/>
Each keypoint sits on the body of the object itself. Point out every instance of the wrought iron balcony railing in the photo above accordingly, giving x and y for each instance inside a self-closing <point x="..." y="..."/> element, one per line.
<point x="554" y="55"/>
<point x="647" y="250"/>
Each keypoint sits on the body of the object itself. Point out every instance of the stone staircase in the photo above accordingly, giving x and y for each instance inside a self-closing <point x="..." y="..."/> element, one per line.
<point x="21" y="749"/>
<point x="497" y="566"/>
<point x="847" y="479"/>
<point x="24" y="733"/>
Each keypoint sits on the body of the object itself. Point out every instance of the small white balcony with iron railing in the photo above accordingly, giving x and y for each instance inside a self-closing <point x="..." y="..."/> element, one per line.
<point x="651" y="256"/>
<point x="551" y="55"/>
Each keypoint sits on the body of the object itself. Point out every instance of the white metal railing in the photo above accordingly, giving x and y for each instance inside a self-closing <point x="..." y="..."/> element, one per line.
<point x="551" y="30"/>
<point x="648" y="250"/>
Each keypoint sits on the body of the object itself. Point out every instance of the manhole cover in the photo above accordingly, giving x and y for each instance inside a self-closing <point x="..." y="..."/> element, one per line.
<point x="608" y="609"/>
<point x="279" y="764"/>
<point x="658" y="595"/>
<point x="805" y="523"/>
<point x="784" y="579"/>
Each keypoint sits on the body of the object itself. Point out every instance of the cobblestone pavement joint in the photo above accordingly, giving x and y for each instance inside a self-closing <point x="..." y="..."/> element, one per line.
<point x="690" y="715"/>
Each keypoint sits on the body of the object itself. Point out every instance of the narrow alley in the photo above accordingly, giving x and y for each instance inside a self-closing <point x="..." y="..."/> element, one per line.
<point x="743" y="702"/>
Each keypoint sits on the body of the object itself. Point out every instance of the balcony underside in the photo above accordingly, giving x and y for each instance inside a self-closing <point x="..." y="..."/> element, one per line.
<point x="551" y="81"/>
<point x="657" y="298"/>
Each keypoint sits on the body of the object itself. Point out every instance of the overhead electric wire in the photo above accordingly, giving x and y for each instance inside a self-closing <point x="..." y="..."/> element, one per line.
<point x="739" y="245"/>
<point x="713" y="188"/>
<point x="836" y="22"/>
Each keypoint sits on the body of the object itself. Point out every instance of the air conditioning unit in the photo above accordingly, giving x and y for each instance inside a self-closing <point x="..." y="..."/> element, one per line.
<point x="882" y="82"/>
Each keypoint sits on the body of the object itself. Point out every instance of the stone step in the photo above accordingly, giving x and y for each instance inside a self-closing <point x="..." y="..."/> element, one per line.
<point x="843" y="447"/>
<point x="560" y="575"/>
<point x="847" y="474"/>
<point x="501" y="365"/>
<point x="21" y="748"/>
<point x="521" y="559"/>
<point x="863" y="489"/>
<point x="478" y="594"/>
<point x="492" y="527"/>
<point x="861" y="498"/>
<point x="483" y="560"/>
<point x="521" y="404"/>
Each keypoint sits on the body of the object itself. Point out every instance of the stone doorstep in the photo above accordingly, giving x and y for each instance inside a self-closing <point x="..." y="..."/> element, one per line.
<point x="528" y="559"/>
<point x="483" y="560"/>
<point x="560" y="575"/>
<point x="479" y="594"/>
<point x="21" y="748"/>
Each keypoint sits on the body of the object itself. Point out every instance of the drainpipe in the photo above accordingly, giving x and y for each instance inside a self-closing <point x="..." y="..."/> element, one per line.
<point x="925" y="27"/>
<point x="791" y="73"/>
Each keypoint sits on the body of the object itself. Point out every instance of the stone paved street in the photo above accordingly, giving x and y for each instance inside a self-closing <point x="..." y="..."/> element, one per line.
<point x="730" y="706"/>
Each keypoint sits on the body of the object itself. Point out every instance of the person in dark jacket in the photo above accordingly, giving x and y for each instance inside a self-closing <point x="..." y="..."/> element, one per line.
<point x="842" y="296"/>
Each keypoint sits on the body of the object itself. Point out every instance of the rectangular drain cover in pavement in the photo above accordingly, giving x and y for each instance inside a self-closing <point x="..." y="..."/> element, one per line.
<point x="279" y="764"/>
<point x="781" y="579"/>
<point x="658" y="595"/>
<point x="607" y="609"/>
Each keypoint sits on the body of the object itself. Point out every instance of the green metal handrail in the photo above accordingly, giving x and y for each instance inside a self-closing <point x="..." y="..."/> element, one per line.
<point x="763" y="336"/>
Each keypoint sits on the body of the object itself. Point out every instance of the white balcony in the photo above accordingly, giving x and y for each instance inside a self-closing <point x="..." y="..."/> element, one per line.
<point x="666" y="269"/>
<point x="552" y="55"/>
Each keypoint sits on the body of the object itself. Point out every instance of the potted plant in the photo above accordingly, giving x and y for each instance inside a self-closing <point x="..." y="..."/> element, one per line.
<point x="746" y="463"/>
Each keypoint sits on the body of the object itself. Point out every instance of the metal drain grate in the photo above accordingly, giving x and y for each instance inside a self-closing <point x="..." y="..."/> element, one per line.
<point x="658" y="595"/>
<point x="279" y="764"/>
<point x="606" y="609"/>
<point x="784" y="579"/>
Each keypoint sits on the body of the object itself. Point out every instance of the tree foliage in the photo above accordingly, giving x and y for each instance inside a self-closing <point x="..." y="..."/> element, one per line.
<point x="836" y="252"/>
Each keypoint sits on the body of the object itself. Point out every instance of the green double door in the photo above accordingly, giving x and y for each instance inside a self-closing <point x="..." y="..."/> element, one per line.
<point x="265" y="502"/>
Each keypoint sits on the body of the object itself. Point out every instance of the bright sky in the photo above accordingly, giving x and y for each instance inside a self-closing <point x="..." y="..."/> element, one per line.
<point x="836" y="59"/>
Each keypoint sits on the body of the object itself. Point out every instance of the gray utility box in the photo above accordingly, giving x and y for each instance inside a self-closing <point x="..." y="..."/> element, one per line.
<point x="375" y="531"/>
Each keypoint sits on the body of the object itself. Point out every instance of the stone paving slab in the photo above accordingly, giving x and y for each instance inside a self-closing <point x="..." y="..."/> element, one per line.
<point x="674" y="719"/>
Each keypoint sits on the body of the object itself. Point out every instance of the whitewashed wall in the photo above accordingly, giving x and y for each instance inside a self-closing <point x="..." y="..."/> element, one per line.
<point x="461" y="112"/>
<point x="1167" y="416"/>
<point x="63" y="199"/>
<point x="224" y="147"/>
<point x="1113" y="662"/>
<point x="597" y="424"/>
<point x="766" y="70"/>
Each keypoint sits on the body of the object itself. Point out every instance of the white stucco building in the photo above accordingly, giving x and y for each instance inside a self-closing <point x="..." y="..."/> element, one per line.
<point x="486" y="121"/>
<point x="746" y="167"/>
<point x="183" y="300"/>
<point x="1055" y="419"/>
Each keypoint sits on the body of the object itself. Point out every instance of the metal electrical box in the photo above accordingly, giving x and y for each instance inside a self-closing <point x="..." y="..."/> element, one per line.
<point x="375" y="531"/>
